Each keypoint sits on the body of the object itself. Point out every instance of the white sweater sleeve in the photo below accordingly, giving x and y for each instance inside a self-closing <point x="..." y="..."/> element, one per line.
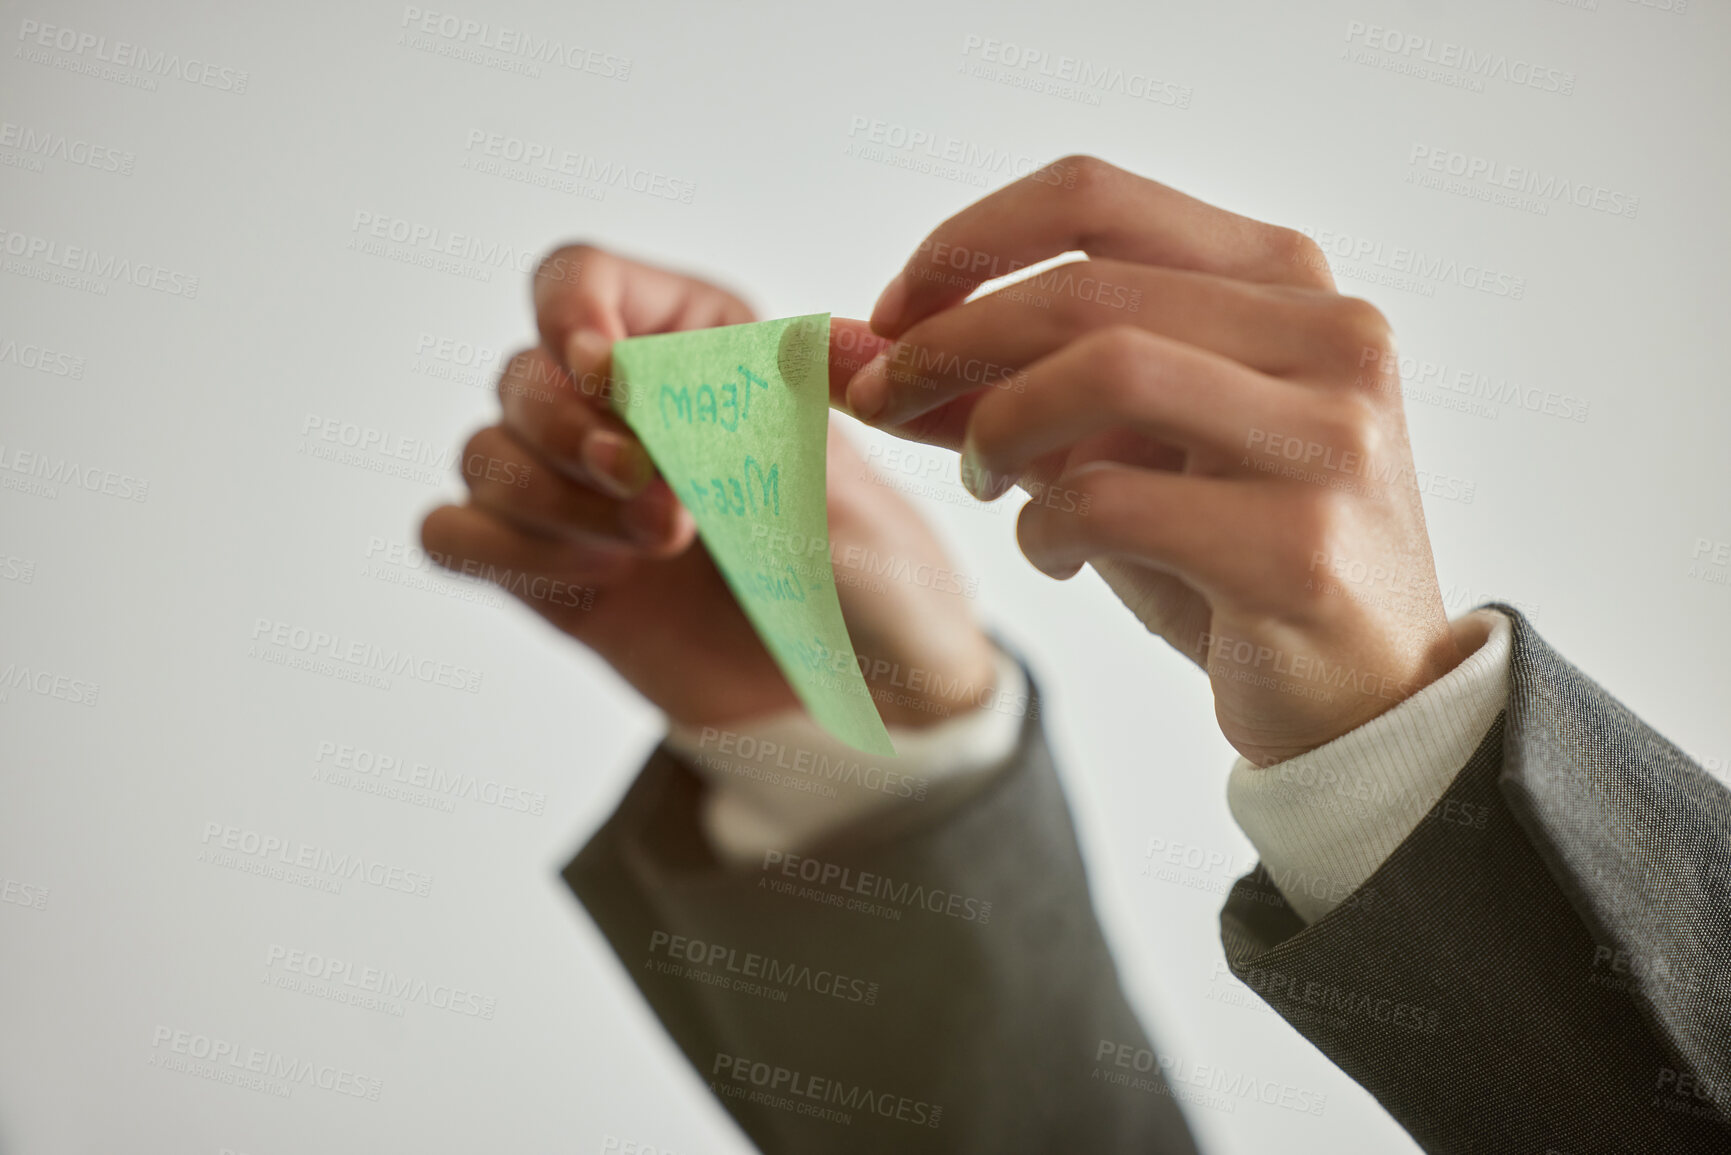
<point x="1324" y="821"/>
<point x="781" y="782"/>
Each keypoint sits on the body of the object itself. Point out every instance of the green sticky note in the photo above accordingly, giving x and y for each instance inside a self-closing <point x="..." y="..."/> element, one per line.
<point x="736" y="420"/>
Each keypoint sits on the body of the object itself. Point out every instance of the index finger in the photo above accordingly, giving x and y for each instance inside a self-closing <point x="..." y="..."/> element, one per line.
<point x="1083" y="203"/>
<point x="851" y="345"/>
<point x="580" y="288"/>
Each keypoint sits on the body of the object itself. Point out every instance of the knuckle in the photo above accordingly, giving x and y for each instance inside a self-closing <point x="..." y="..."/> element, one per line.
<point x="438" y="533"/>
<point x="733" y="310"/>
<point x="1060" y="519"/>
<point x="989" y="424"/>
<point x="522" y="364"/>
<point x="523" y="358"/>
<point x="484" y="455"/>
<point x="1357" y="328"/>
<point x="531" y="375"/>
<point x="1317" y="523"/>
<point x="1038" y="532"/>
<point x="561" y="436"/>
<point x="565" y="264"/>
<point x="1117" y="359"/>
<point x="1103" y="499"/>
<point x="985" y="426"/>
<point x="931" y="428"/>
<point x="1067" y="309"/>
<point x="1351" y="425"/>
<point x="477" y="448"/>
<point x="1293" y="248"/>
<point x="1083" y="175"/>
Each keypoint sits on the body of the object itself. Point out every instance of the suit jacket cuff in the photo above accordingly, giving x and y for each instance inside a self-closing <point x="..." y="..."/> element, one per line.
<point x="1323" y="822"/>
<point x="1536" y="966"/>
<point x="944" y="958"/>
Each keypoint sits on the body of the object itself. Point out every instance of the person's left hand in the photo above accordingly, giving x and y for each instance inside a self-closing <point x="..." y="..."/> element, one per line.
<point x="1199" y="415"/>
<point x="563" y="498"/>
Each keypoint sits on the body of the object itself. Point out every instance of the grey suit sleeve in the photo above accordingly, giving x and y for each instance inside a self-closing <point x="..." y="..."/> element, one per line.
<point x="1544" y="965"/>
<point x="942" y="986"/>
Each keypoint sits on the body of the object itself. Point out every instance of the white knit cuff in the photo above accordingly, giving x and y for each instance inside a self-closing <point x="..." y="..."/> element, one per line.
<point x="1324" y="821"/>
<point x="782" y="782"/>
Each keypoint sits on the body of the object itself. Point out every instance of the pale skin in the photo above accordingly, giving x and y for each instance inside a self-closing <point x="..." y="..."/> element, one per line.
<point x="1197" y="412"/>
<point x="594" y="514"/>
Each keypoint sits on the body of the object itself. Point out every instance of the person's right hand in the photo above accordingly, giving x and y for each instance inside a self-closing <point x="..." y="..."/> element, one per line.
<point x="566" y="511"/>
<point x="1190" y="408"/>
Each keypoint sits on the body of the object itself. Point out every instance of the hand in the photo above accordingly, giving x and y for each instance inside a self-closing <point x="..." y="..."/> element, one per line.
<point x="1200" y="416"/>
<point x="565" y="511"/>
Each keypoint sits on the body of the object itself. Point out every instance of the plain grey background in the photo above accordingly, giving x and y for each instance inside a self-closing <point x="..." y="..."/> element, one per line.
<point x="174" y="486"/>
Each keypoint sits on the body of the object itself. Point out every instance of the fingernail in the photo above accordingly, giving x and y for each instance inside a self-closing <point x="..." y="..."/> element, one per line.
<point x="890" y="304"/>
<point x="620" y="466"/>
<point x="977" y="479"/>
<point x="584" y="357"/>
<point x="869" y="389"/>
<point x="585" y="350"/>
<point x="650" y="518"/>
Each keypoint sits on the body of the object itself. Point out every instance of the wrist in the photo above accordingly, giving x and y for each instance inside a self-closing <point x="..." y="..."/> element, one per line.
<point x="1358" y="689"/>
<point x="928" y="690"/>
<point x="783" y="782"/>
